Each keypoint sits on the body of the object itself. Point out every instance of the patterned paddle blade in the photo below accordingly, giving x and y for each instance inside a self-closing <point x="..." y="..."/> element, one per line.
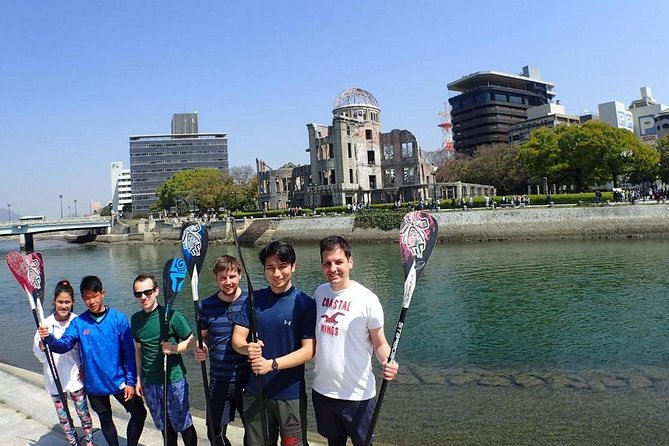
<point x="418" y="235"/>
<point x="36" y="277"/>
<point x="174" y="275"/>
<point x="17" y="265"/>
<point x="194" y="243"/>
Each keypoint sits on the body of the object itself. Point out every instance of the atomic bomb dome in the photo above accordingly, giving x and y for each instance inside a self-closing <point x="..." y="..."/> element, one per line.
<point x="352" y="97"/>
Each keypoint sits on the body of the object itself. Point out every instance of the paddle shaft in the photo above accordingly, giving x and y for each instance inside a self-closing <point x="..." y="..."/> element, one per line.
<point x="384" y="383"/>
<point x="253" y="328"/>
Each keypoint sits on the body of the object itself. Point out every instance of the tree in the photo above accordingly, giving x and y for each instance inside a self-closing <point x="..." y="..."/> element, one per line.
<point x="586" y="155"/>
<point x="242" y="174"/>
<point x="453" y="169"/>
<point x="497" y="165"/>
<point x="662" y="147"/>
<point x="106" y="211"/>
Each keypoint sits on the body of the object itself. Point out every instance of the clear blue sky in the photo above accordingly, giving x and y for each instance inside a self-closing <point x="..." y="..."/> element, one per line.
<point x="78" y="77"/>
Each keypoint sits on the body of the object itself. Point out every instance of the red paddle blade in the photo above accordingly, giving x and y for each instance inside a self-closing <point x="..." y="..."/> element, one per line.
<point x="19" y="269"/>
<point x="418" y="235"/>
<point x="36" y="281"/>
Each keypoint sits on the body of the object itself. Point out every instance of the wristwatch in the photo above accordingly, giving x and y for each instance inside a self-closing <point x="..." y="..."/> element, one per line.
<point x="275" y="365"/>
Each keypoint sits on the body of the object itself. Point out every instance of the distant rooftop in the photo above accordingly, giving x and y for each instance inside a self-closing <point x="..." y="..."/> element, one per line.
<point x="518" y="81"/>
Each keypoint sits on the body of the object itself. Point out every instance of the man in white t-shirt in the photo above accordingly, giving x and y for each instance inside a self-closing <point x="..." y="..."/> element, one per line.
<point x="349" y="328"/>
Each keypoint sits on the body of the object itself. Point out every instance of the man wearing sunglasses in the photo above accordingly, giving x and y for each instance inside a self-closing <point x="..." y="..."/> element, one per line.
<point x="148" y="332"/>
<point x="108" y="358"/>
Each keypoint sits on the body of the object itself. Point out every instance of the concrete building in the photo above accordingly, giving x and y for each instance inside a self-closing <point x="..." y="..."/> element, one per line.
<point x="644" y="111"/>
<point x="490" y="102"/>
<point x="616" y="115"/>
<point x="155" y="158"/>
<point x="346" y="156"/>
<point x="662" y="124"/>
<point x="121" y="187"/>
<point x="407" y="175"/>
<point x="543" y="116"/>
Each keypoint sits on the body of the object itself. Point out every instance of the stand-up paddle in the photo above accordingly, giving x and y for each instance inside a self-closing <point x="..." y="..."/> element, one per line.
<point x="194" y="244"/>
<point x="254" y="332"/>
<point x="418" y="235"/>
<point x="174" y="275"/>
<point x="29" y="272"/>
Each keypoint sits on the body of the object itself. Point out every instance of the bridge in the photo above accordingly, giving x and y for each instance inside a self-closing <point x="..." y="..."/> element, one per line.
<point x="26" y="230"/>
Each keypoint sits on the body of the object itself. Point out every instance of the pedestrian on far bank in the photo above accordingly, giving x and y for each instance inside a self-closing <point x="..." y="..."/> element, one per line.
<point x="68" y="366"/>
<point x="108" y="357"/>
<point x="349" y="329"/>
<point x="150" y="348"/>
<point x="228" y="370"/>
<point x="285" y="319"/>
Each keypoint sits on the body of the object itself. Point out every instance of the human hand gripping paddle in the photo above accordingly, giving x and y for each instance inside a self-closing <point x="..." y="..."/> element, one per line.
<point x="194" y="244"/>
<point x="254" y="332"/>
<point x="418" y="235"/>
<point x="174" y="275"/>
<point x="29" y="272"/>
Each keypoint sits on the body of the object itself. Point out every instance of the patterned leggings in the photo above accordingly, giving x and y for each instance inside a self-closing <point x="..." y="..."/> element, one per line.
<point x="81" y="406"/>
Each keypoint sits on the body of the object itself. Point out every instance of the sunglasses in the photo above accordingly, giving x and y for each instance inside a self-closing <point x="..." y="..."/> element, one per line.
<point x="146" y="293"/>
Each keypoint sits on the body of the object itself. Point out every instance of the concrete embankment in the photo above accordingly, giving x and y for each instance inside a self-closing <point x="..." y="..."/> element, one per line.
<point x="531" y="223"/>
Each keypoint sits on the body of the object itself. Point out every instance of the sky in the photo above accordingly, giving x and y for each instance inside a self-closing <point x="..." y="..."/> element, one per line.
<point x="79" y="77"/>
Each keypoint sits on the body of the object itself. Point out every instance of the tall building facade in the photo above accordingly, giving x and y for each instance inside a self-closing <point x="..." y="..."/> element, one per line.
<point x="155" y="158"/>
<point x="121" y="187"/>
<point x="490" y="102"/>
<point x="543" y="116"/>
<point x="616" y="115"/>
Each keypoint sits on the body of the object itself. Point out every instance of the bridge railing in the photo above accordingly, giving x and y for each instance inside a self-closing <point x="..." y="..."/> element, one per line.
<point x="91" y="218"/>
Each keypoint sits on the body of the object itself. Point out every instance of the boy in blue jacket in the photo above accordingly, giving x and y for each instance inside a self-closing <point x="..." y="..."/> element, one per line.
<point x="108" y="358"/>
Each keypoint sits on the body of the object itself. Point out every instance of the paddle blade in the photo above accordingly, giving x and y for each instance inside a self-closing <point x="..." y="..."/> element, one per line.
<point x="194" y="243"/>
<point x="19" y="269"/>
<point x="174" y="275"/>
<point x="418" y="235"/>
<point x="36" y="277"/>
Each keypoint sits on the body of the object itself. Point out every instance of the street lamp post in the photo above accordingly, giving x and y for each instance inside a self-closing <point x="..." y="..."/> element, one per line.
<point x="9" y="211"/>
<point x="69" y="211"/>
<point x="61" y="205"/>
<point x="75" y="208"/>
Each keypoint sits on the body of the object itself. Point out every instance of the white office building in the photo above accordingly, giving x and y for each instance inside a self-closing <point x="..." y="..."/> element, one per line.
<point x="616" y="114"/>
<point x="121" y="189"/>
<point x="644" y="111"/>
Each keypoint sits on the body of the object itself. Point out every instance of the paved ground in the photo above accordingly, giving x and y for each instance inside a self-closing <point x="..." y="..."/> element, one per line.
<point x="28" y="418"/>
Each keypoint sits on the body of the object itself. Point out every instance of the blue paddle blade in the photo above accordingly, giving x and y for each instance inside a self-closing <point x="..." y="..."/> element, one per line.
<point x="174" y="276"/>
<point x="418" y="235"/>
<point x="194" y="243"/>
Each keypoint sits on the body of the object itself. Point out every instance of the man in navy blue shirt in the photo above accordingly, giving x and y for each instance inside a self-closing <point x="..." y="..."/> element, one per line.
<point x="228" y="371"/>
<point x="286" y="319"/>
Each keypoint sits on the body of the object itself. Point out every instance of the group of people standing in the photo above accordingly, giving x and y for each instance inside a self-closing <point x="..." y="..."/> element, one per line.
<point x="340" y="327"/>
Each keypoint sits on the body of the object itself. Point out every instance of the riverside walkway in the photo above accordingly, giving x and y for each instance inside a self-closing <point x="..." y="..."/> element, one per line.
<point x="28" y="418"/>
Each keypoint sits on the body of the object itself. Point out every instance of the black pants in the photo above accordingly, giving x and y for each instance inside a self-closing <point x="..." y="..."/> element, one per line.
<point x="101" y="404"/>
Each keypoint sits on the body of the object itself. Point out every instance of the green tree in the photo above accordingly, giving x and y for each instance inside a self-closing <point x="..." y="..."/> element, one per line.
<point x="662" y="148"/>
<point x="497" y="165"/>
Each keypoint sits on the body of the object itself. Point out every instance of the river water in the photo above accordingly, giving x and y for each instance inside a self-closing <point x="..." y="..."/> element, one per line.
<point x="532" y="343"/>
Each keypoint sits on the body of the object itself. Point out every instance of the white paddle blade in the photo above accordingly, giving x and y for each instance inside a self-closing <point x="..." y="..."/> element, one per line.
<point x="194" y="283"/>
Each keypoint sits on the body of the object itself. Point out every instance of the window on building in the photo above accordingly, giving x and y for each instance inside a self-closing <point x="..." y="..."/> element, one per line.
<point x="332" y="177"/>
<point x="515" y="99"/>
<point x="350" y="151"/>
<point x="368" y="134"/>
<point x="388" y="151"/>
<point x="350" y="176"/>
<point x="370" y="157"/>
<point x="389" y="177"/>
<point x="409" y="174"/>
<point x="500" y="97"/>
<point x="348" y="130"/>
<point x="330" y="151"/>
<point x="407" y="149"/>
<point x="372" y="181"/>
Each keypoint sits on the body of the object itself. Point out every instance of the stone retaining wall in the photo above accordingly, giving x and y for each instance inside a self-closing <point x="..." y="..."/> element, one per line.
<point x="541" y="223"/>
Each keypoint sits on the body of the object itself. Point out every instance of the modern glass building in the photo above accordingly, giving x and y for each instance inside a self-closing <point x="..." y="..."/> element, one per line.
<point x="155" y="158"/>
<point x="490" y="102"/>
